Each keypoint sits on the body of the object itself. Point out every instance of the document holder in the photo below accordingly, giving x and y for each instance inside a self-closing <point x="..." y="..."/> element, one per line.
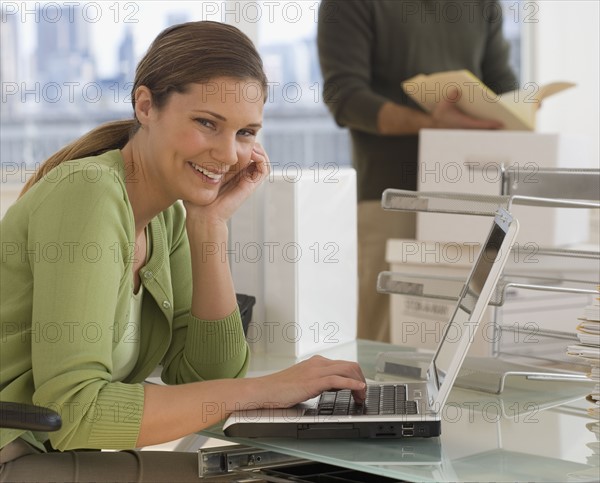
<point x="486" y="374"/>
<point x="509" y="366"/>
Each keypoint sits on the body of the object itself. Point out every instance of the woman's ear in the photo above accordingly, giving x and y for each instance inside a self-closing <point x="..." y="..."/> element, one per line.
<point x="143" y="104"/>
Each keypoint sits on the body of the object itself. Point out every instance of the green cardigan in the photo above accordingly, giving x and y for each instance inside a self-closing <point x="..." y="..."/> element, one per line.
<point x="65" y="292"/>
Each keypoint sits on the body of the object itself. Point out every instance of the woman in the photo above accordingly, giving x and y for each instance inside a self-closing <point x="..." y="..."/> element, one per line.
<point x="109" y="276"/>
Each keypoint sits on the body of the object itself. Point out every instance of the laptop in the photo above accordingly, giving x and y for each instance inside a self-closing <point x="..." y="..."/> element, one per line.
<point x="399" y="409"/>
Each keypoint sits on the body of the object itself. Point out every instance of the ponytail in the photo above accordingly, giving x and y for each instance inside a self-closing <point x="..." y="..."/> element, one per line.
<point x="111" y="135"/>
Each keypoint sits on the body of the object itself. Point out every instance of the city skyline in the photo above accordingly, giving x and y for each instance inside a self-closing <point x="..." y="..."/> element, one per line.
<point x="67" y="95"/>
<point x="43" y="110"/>
<point x="63" y="64"/>
<point x="109" y="22"/>
<point x="59" y="41"/>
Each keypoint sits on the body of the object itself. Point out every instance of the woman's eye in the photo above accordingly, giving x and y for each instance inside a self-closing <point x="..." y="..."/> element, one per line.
<point x="247" y="132"/>
<point x="205" y="122"/>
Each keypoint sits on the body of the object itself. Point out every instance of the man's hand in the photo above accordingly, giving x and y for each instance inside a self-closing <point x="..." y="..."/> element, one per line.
<point x="447" y="115"/>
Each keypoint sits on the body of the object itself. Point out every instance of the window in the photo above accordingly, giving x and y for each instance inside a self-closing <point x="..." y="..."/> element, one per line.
<point x="81" y="61"/>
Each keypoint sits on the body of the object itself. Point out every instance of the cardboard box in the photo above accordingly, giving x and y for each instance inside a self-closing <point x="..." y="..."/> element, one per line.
<point x="471" y="161"/>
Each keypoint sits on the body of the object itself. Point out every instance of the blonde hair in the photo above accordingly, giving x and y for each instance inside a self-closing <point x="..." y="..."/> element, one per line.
<point x="184" y="54"/>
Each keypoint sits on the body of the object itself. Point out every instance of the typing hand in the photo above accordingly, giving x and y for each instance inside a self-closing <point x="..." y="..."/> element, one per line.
<point x="308" y="379"/>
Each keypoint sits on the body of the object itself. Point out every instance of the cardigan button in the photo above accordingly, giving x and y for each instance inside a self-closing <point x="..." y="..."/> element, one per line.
<point x="166" y="304"/>
<point x="148" y="275"/>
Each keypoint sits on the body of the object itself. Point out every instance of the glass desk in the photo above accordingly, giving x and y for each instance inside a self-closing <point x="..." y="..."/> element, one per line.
<point x="540" y="434"/>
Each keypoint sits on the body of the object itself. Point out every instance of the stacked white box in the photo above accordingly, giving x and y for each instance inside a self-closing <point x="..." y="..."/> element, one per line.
<point x="305" y="278"/>
<point x="470" y="161"/>
<point x="419" y="321"/>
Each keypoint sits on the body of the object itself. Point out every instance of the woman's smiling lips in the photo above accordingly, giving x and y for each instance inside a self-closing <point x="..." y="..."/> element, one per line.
<point x="208" y="176"/>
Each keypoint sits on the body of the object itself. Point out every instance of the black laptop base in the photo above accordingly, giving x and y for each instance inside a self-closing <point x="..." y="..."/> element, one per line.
<point x="325" y="430"/>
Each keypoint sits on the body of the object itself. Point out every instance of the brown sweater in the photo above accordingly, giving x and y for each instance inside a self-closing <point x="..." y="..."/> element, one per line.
<point x="368" y="47"/>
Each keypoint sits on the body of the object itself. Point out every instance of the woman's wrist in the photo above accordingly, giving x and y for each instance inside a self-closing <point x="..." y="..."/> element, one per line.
<point x="249" y="394"/>
<point x="206" y="228"/>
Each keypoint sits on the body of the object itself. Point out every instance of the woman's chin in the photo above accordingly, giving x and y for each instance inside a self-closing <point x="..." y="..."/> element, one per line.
<point x="201" y="199"/>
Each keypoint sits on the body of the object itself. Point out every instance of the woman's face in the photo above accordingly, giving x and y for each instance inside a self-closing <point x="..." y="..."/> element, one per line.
<point x="198" y="140"/>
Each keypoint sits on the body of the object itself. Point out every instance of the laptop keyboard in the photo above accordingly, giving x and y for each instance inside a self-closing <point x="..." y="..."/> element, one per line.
<point x="381" y="400"/>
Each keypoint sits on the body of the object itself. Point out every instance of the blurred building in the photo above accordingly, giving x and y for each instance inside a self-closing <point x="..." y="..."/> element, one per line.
<point x="9" y="62"/>
<point x="64" y="47"/>
<point x="127" y="59"/>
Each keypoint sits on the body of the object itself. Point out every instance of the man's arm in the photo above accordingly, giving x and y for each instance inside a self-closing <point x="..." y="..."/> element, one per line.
<point x="345" y="38"/>
<point x="397" y="120"/>
<point x="496" y="71"/>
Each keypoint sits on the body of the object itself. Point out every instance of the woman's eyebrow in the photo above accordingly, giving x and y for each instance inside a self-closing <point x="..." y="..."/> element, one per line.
<point x="222" y="118"/>
<point x="214" y="114"/>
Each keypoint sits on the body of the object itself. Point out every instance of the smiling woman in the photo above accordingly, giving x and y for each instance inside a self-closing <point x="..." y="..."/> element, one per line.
<point x="110" y="276"/>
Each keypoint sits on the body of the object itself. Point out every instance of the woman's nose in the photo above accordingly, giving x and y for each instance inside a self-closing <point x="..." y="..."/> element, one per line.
<point x="225" y="151"/>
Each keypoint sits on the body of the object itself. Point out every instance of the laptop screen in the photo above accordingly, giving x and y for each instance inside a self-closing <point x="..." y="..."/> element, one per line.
<point x="463" y="324"/>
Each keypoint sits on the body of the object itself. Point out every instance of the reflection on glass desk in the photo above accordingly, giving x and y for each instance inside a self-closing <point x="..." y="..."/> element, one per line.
<point x="540" y="434"/>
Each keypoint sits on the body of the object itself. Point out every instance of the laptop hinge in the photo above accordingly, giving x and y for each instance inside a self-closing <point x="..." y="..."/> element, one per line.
<point x="222" y="460"/>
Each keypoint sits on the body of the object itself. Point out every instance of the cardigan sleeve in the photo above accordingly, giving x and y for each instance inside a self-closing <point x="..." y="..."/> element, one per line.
<point x="344" y="40"/>
<point x="199" y="349"/>
<point x="77" y="276"/>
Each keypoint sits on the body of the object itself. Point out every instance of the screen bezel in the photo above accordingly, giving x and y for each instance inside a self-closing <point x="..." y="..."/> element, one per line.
<point x="505" y="227"/>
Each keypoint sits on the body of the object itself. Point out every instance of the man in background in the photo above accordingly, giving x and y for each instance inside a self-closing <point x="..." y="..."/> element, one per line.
<point x="367" y="48"/>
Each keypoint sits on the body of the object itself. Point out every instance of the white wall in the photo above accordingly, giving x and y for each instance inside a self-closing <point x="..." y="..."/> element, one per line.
<point x="566" y="46"/>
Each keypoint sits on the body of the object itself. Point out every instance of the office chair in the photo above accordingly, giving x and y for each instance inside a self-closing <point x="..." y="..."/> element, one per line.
<point x="29" y="417"/>
<point x="246" y="303"/>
